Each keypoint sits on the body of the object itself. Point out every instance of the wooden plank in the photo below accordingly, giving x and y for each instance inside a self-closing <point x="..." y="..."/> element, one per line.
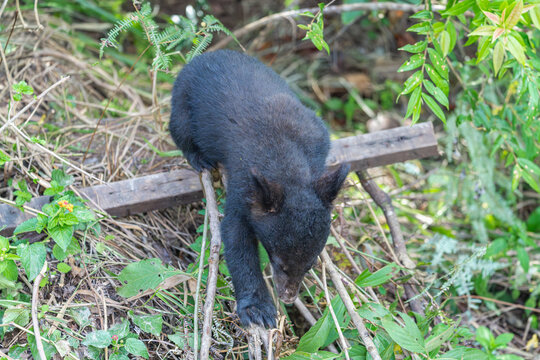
<point x="177" y="187"/>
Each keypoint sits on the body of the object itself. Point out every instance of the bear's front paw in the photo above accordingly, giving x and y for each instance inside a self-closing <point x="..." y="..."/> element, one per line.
<point x="256" y="312"/>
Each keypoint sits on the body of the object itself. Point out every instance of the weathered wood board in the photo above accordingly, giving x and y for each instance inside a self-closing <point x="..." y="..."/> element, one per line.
<point x="163" y="190"/>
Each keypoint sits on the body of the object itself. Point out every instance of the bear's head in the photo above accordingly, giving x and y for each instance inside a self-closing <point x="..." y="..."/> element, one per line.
<point x="292" y="221"/>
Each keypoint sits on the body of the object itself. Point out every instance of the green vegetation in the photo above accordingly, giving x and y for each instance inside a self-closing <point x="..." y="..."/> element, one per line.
<point x="121" y="288"/>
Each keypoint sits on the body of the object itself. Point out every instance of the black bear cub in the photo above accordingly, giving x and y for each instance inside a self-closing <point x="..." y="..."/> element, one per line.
<point x="229" y="108"/>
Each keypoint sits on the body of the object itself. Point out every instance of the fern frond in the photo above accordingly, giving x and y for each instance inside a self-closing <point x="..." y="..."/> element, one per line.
<point x="201" y="42"/>
<point x="110" y="40"/>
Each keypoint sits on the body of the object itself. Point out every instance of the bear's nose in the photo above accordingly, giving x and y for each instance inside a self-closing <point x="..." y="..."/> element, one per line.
<point x="289" y="296"/>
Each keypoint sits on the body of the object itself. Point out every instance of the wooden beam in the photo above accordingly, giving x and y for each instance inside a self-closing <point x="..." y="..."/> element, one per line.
<point x="177" y="187"/>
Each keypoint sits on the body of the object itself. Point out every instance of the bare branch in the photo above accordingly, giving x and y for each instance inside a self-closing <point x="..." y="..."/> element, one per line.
<point x="35" y="303"/>
<point x="213" y="262"/>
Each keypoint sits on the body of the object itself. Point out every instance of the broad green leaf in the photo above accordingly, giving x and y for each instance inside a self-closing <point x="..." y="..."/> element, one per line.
<point x="464" y="353"/>
<point x="136" y="347"/>
<point x="435" y="341"/>
<point x="81" y="316"/>
<point x="61" y="178"/>
<point x="178" y="339"/>
<point x="516" y="49"/>
<point x="486" y="30"/>
<point x="485" y="337"/>
<point x="436" y="93"/>
<point x="319" y="355"/>
<point x="414" y="62"/>
<point x="4" y="158"/>
<point x="32" y="258"/>
<point x="48" y="347"/>
<point x="498" y="56"/>
<point x="496" y="247"/>
<point x="415" y="48"/>
<point x="367" y="279"/>
<point x="4" y="244"/>
<point x="148" y="323"/>
<point x="514" y="16"/>
<point x="434" y="107"/>
<point x="17" y="315"/>
<point x="404" y="337"/>
<point x="445" y="41"/>
<point x="27" y="226"/>
<point x="63" y="267"/>
<point x="84" y="215"/>
<point x="100" y="339"/>
<point x="120" y="329"/>
<point x="412" y="82"/>
<point x="414" y="102"/>
<point x="62" y="235"/>
<point x="316" y="336"/>
<point x="118" y="357"/>
<point x="459" y="8"/>
<point x="72" y="249"/>
<point x="11" y="272"/>
<point x="144" y="275"/>
<point x="503" y="339"/>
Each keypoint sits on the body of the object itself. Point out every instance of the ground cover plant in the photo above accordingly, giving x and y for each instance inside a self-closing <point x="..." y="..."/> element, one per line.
<point x="84" y="100"/>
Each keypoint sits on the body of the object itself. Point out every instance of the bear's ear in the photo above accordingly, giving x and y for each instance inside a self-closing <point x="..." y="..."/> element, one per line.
<point x="328" y="185"/>
<point x="267" y="197"/>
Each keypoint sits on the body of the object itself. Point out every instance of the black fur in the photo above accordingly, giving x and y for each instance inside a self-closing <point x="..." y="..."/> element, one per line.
<point x="229" y="108"/>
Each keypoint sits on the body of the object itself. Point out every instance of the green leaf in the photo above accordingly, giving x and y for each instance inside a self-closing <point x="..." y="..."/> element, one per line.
<point x="27" y="226"/>
<point x="120" y="329"/>
<point x="148" y="323"/>
<point x="434" y="341"/>
<point x="445" y="42"/>
<point x="4" y="244"/>
<point x="406" y="337"/>
<point x="367" y="279"/>
<point x="414" y="62"/>
<point x="48" y="347"/>
<point x="72" y="249"/>
<point x="503" y="340"/>
<point x="523" y="257"/>
<point x="485" y="337"/>
<point x="136" y="347"/>
<point x="178" y="339"/>
<point x="118" y="357"/>
<point x="498" y="56"/>
<point x="415" y="48"/>
<point x="17" y="315"/>
<point x="11" y="272"/>
<point x="535" y="17"/>
<point x="420" y="28"/>
<point x="434" y="107"/>
<point x="62" y="235"/>
<point x="412" y="82"/>
<point x="529" y="166"/>
<point x="63" y="267"/>
<point x="100" y="339"/>
<point x="4" y="158"/>
<point x="459" y="8"/>
<point x="438" y="63"/>
<point x="61" y="178"/>
<point x="81" y="316"/>
<point x="414" y="101"/>
<point x="32" y="258"/>
<point x="486" y="30"/>
<point x="437" y="79"/>
<point x="436" y="93"/>
<point x="514" y="16"/>
<point x="144" y="275"/>
<point x="316" y="336"/>
<point x="533" y="222"/>
<point x="516" y="49"/>
<point x="422" y="15"/>
<point x="463" y="353"/>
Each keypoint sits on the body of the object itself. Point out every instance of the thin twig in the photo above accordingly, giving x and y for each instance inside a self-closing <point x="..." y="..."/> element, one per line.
<point x="357" y="320"/>
<point x="199" y="278"/>
<point x="36" y="15"/>
<point x="3" y="7"/>
<point x="35" y="302"/>
<point x="213" y="262"/>
<point x="336" y="9"/>
<point x="342" y="340"/>
<point x="385" y="203"/>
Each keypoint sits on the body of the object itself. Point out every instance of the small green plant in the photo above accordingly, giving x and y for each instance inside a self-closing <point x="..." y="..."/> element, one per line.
<point x="169" y="41"/>
<point x="315" y="29"/>
<point x="20" y="89"/>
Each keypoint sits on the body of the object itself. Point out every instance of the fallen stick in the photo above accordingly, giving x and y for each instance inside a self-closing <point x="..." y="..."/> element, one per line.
<point x="335" y="9"/>
<point x="357" y="320"/>
<point x="35" y="321"/>
<point x="182" y="186"/>
<point x="213" y="262"/>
